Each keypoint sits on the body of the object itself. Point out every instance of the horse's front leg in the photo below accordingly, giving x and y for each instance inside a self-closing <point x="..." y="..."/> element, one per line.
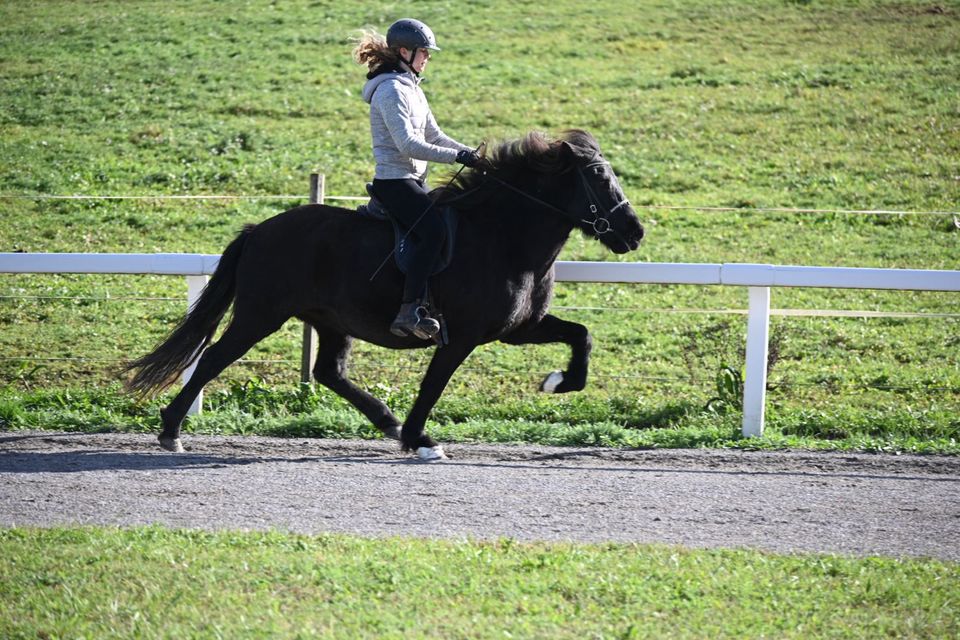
<point x="553" y="329"/>
<point x="445" y="362"/>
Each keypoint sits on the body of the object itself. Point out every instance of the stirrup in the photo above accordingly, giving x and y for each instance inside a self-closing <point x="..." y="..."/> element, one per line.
<point x="414" y="319"/>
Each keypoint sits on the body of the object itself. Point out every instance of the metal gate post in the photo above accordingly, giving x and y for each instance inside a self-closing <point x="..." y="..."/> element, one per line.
<point x="755" y="381"/>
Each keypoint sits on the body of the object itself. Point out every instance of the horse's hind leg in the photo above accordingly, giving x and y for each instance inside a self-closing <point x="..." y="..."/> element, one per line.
<point x="244" y="332"/>
<point x="331" y="371"/>
<point x="553" y="329"/>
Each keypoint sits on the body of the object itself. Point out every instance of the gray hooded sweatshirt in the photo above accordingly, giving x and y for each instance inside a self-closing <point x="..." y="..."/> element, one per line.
<point x="405" y="133"/>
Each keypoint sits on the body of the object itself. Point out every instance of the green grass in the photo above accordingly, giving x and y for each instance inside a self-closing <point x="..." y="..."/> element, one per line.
<point x="151" y="582"/>
<point x="254" y="408"/>
<point x="748" y="104"/>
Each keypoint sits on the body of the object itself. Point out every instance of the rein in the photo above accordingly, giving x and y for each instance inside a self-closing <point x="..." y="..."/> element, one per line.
<point x="600" y="223"/>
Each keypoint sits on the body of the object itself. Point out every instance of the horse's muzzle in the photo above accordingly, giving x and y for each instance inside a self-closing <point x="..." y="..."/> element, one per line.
<point x="628" y="240"/>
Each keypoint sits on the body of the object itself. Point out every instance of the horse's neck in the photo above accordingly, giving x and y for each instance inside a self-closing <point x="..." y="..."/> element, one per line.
<point x="530" y="236"/>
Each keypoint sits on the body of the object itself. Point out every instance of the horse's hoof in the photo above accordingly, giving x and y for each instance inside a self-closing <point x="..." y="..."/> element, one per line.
<point x="392" y="432"/>
<point x="431" y="454"/>
<point x="551" y="382"/>
<point x="171" y="444"/>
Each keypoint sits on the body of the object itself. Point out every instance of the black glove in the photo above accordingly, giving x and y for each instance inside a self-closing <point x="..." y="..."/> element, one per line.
<point x="468" y="157"/>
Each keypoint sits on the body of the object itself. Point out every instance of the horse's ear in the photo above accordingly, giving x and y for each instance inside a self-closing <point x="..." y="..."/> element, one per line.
<point x="568" y="153"/>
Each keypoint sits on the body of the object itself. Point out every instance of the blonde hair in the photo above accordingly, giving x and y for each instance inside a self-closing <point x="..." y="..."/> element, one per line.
<point x="372" y="50"/>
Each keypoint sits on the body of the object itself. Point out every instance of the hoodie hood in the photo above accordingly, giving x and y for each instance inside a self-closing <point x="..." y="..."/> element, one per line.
<point x="405" y="77"/>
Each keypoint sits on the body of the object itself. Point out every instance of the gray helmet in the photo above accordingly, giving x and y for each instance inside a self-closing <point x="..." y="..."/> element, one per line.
<point x="411" y="34"/>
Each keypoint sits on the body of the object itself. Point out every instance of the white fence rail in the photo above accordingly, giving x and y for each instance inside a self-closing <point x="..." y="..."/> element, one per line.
<point x="758" y="278"/>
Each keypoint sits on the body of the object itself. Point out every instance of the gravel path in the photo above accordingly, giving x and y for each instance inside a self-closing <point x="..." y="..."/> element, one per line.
<point x="784" y="501"/>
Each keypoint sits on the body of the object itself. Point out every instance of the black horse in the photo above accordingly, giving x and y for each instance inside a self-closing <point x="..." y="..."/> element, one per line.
<point x="315" y="262"/>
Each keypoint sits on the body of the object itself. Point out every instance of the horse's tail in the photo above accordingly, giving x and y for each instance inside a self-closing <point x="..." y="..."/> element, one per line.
<point x="160" y="368"/>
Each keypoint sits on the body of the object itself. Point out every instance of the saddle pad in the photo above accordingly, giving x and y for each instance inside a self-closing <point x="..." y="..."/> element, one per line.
<point x="403" y="243"/>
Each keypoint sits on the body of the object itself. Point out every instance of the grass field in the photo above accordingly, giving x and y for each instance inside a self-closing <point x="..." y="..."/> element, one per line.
<point x="750" y="105"/>
<point x="152" y="582"/>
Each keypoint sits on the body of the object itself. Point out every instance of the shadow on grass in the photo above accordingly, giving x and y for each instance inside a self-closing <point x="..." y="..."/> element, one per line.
<point x="664" y="417"/>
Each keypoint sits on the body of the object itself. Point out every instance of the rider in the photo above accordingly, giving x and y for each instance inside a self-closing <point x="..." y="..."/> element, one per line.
<point x="406" y="136"/>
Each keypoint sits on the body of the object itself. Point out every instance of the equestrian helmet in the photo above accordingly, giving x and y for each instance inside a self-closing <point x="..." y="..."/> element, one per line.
<point x="411" y="34"/>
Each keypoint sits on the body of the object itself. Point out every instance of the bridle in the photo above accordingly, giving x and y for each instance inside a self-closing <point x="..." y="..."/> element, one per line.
<point x="600" y="222"/>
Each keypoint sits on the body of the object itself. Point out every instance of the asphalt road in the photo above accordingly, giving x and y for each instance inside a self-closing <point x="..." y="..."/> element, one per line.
<point x="855" y="504"/>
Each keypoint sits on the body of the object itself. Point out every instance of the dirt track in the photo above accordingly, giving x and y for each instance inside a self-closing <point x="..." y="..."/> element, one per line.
<point x="840" y="503"/>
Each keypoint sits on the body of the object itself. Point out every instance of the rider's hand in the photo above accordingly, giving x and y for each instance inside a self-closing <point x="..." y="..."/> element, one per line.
<point x="468" y="157"/>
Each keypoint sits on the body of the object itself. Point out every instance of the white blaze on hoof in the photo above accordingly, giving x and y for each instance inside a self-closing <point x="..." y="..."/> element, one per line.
<point x="171" y="444"/>
<point x="552" y="382"/>
<point x="431" y="454"/>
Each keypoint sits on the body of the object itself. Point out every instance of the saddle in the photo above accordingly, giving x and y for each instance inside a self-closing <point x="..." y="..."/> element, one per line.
<point x="402" y="250"/>
<point x="403" y="241"/>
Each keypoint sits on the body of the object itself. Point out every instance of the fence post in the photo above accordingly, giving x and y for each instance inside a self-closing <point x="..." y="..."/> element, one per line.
<point x="755" y="381"/>
<point x="195" y="285"/>
<point x="308" y="352"/>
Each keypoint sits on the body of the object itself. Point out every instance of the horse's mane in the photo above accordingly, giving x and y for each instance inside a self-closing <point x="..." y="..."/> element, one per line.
<point x="532" y="153"/>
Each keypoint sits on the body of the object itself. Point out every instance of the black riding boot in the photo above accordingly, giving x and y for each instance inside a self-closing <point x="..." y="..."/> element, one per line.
<point x="413" y="319"/>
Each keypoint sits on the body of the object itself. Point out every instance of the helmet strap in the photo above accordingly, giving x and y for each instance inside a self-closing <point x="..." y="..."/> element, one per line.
<point x="413" y="55"/>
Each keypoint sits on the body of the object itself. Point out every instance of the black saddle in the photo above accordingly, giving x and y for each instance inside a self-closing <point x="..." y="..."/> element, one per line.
<point x="404" y="240"/>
